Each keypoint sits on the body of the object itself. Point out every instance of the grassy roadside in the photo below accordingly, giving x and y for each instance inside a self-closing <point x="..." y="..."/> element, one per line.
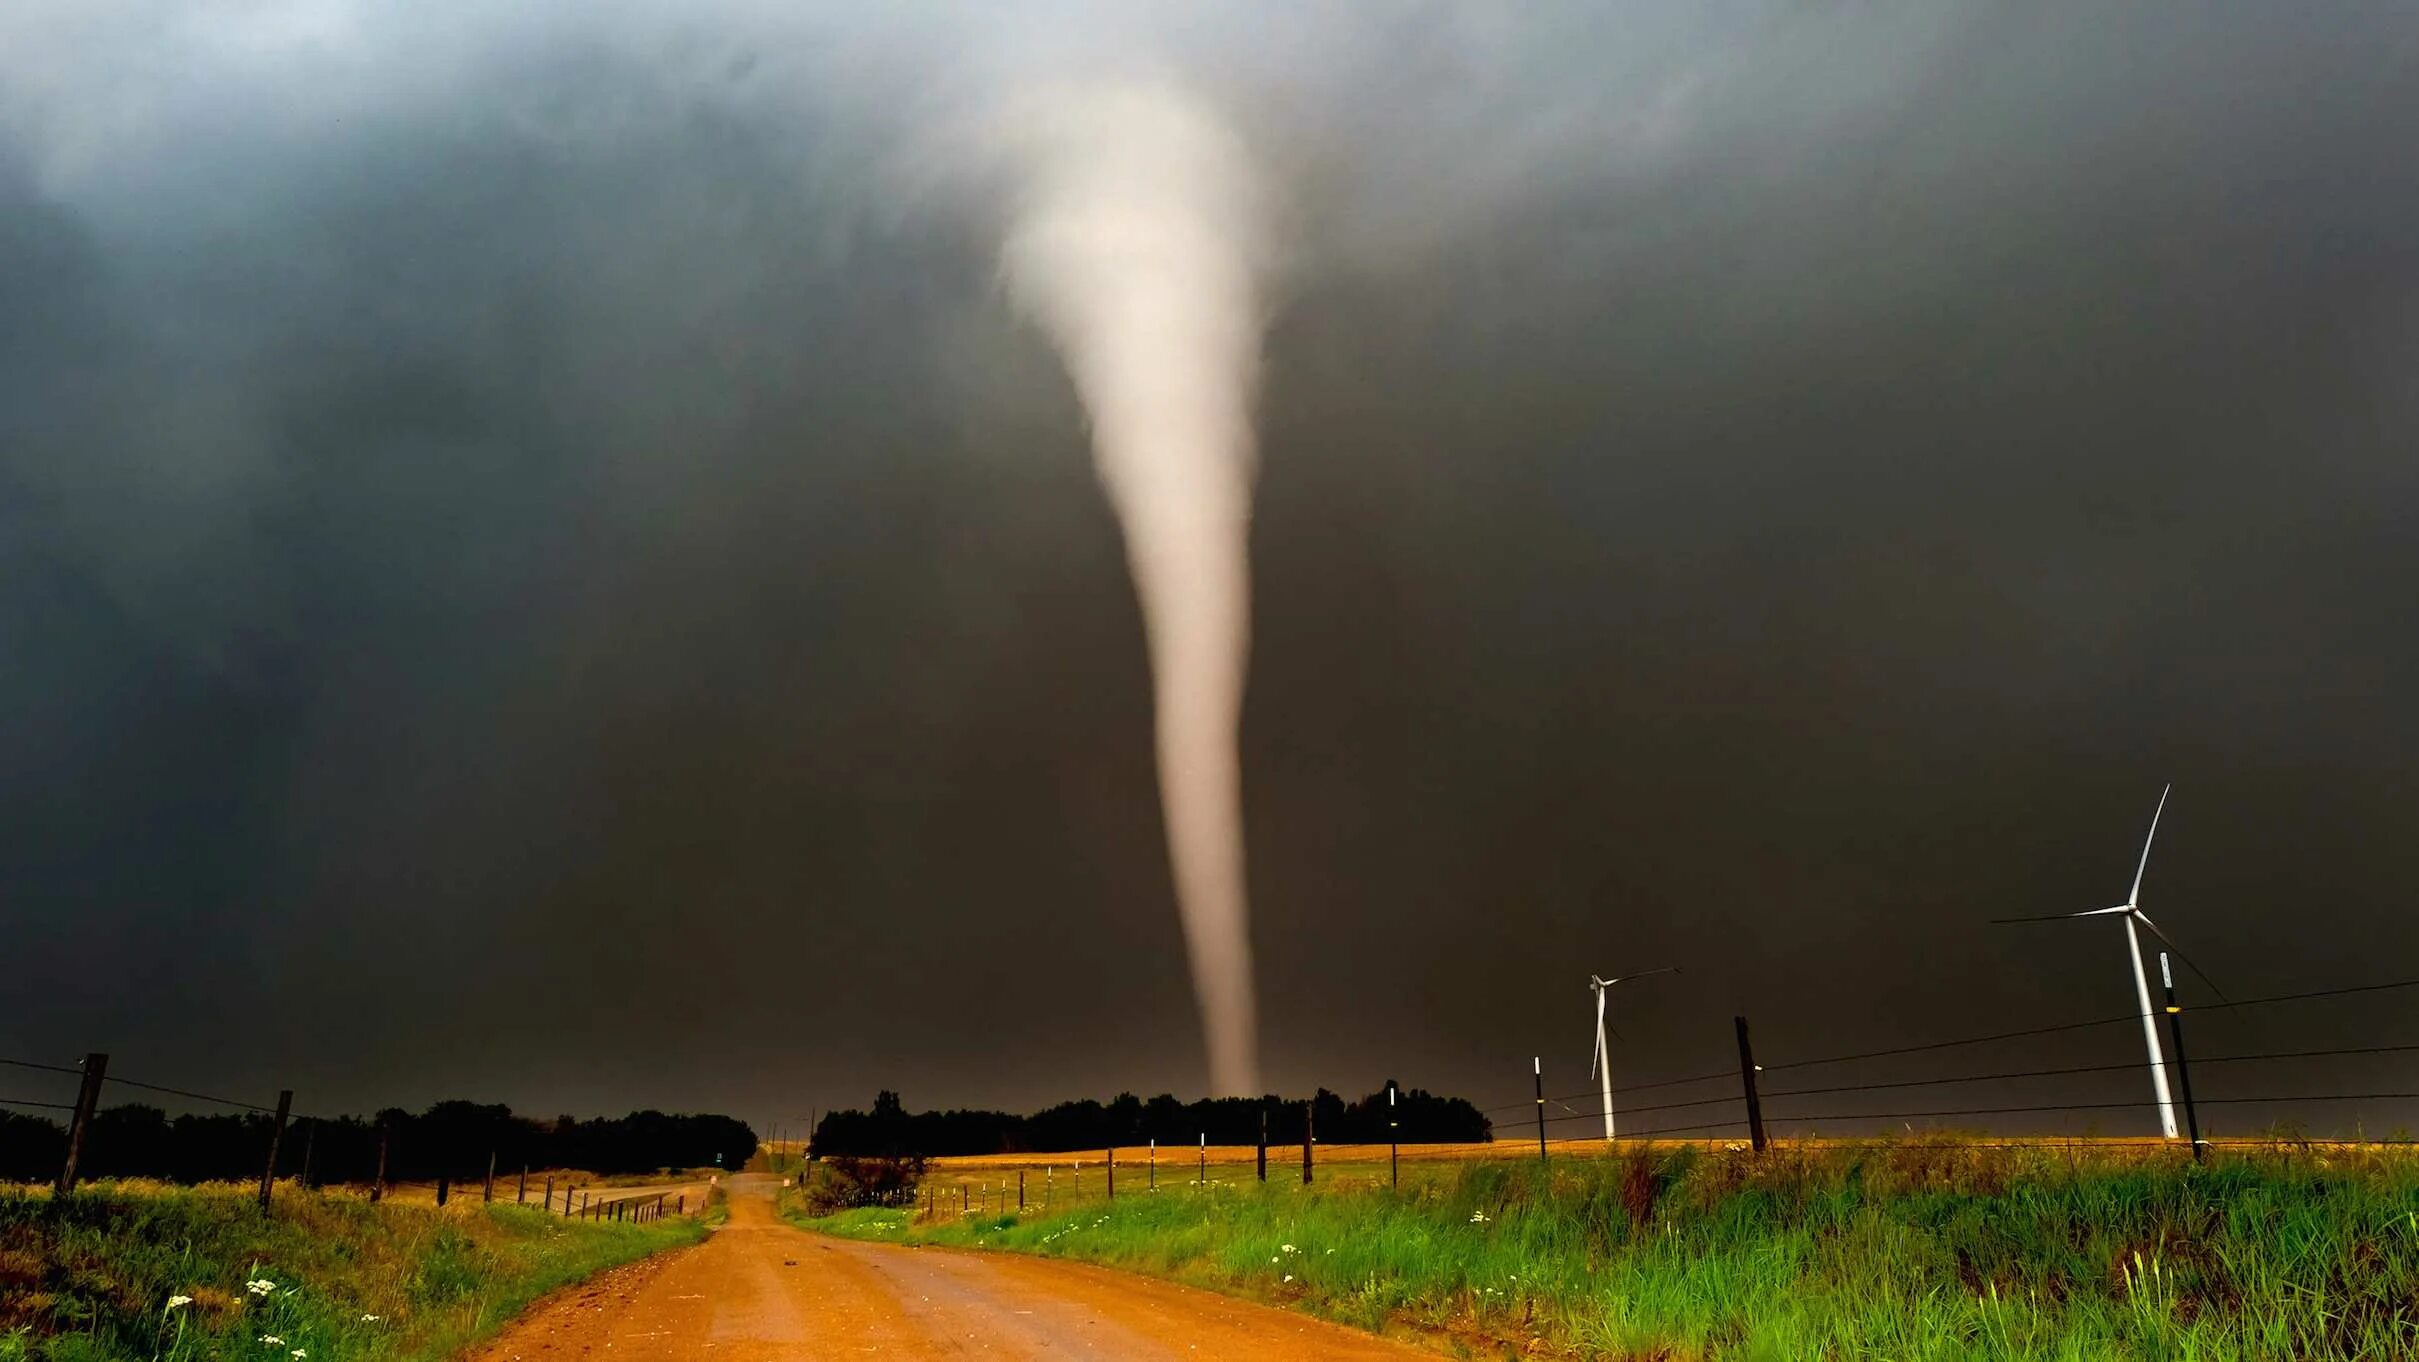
<point x="96" y="1278"/>
<point x="1940" y="1251"/>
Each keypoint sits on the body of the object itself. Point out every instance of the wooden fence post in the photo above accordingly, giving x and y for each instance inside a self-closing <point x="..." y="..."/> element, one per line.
<point x="277" y="1133"/>
<point x="378" y="1183"/>
<point x="1537" y="1067"/>
<point x="88" y="1097"/>
<point x="487" y="1194"/>
<point x="1755" y="1104"/>
<point x="1306" y="1137"/>
<point x="520" y="1196"/>
<point x="1263" y="1160"/>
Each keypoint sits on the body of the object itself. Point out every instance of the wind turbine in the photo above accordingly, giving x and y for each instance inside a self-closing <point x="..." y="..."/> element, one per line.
<point x="2131" y="911"/>
<point x="1600" y="1066"/>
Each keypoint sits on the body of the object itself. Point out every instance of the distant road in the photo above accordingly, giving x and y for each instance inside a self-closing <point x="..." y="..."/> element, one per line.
<point x="762" y="1291"/>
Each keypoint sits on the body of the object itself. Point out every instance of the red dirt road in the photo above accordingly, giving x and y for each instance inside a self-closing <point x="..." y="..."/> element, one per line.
<point x="762" y="1291"/>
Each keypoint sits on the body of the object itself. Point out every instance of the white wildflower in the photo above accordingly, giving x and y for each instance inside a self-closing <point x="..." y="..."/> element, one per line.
<point x="1272" y="1260"/>
<point x="273" y="1340"/>
<point x="179" y="1302"/>
<point x="261" y="1287"/>
<point x="1289" y="1276"/>
<point x="300" y="1353"/>
<point x="369" y="1319"/>
<point x="1285" y="1248"/>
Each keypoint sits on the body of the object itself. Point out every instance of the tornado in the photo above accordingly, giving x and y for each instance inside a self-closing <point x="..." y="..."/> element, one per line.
<point x="1137" y="240"/>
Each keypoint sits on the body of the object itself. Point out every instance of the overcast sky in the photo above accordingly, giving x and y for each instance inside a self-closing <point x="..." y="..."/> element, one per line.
<point x="537" y="564"/>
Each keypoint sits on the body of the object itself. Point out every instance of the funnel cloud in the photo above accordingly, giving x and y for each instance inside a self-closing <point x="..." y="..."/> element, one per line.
<point x="1136" y="241"/>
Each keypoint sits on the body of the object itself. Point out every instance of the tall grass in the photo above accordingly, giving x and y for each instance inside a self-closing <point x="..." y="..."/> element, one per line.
<point x="93" y="1277"/>
<point x="1940" y="1250"/>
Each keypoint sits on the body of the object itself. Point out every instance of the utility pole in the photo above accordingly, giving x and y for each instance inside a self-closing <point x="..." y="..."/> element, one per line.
<point x="2183" y="1070"/>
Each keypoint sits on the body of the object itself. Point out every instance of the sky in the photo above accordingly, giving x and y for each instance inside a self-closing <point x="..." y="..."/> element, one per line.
<point x="540" y="562"/>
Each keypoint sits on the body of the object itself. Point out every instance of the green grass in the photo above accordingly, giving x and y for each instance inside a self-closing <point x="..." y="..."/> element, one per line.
<point x="92" y="1278"/>
<point x="1944" y="1250"/>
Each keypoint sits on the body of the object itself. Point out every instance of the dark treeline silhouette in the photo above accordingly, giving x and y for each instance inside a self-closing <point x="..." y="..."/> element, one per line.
<point x="890" y="1129"/>
<point x="451" y="1138"/>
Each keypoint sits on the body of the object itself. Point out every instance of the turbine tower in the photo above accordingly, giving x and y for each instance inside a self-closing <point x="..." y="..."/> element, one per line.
<point x="2131" y="911"/>
<point x="1600" y="1067"/>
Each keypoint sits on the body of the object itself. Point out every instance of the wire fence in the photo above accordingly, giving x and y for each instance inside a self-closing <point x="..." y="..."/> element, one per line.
<point x="305" y="1149"/>
<point x="1742" y="1115"/>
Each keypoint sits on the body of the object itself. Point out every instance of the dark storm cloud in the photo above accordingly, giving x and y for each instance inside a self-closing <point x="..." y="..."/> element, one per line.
<point x="533" y="564"/>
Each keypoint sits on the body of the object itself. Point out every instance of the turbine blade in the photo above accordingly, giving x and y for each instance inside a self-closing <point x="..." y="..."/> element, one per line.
<point x="2134" y="899"/>
<point x="2048" y="917"/>
<point x="2178" y="952"/>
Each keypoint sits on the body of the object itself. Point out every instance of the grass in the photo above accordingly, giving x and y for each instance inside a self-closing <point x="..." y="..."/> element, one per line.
<point x="92" y="1278"/>
<point x="1912" y="1252"/>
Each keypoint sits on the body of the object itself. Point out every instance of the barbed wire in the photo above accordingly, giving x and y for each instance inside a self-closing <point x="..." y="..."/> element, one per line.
<point x="47" y="1068"/>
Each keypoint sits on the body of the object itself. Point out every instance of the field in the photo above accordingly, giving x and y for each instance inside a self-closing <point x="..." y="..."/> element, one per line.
<point x="149" y="1270"/>
<point x="1933" y="1249"/>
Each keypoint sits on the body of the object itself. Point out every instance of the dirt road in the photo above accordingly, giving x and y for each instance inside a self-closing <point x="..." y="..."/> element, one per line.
<point x="762" y="1291"/>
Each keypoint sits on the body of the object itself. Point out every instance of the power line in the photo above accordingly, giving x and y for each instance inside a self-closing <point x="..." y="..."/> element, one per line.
<point x="21" y="1102"/>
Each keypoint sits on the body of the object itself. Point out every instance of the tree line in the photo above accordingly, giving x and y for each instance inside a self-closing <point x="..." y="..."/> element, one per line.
<point x="889" y="1130"/>
<point x="450" y="1139"/>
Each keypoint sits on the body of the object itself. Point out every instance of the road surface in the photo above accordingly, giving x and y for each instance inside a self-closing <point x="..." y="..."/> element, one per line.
<point x="761" y="1291"/>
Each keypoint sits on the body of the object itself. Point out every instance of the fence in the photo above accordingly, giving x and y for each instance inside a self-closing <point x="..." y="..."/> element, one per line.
<point x="1757" y="1103"/>
<point x="282" y="1143"/>
<point x="1748" y="1108"/>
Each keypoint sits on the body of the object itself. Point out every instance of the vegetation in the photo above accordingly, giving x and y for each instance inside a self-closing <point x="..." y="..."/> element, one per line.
<point x="845" y="1182"/>
<point x="1941" y="1250"/>
<point x="450" y="1138"/>
<point x="1418" y="1117"/>
<point x="143" y="1271"/>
